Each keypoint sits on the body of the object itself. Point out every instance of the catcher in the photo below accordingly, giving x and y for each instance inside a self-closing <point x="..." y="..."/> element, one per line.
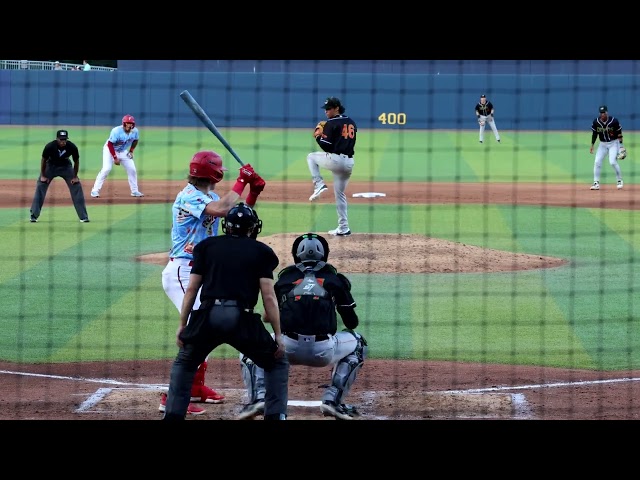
<point x="608" y="129"/>
<point x="309" y="293"/>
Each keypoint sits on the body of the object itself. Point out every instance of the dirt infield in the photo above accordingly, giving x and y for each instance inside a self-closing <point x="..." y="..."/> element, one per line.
<point x="385" y="389"/>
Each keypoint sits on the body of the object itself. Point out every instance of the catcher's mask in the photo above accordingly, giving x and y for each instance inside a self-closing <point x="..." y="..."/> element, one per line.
<point x="310" y="247"/>
<point x="128" y="119"/>
<point x="241" y="220"/>
<point x="207" y="164"/>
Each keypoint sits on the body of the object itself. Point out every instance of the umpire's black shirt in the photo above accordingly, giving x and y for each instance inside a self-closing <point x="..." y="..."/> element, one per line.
<point x="231" y="268"/>
<point x="56" y="155"/>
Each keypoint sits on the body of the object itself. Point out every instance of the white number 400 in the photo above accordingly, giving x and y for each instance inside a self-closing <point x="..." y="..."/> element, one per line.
<point x="393" y="118"/>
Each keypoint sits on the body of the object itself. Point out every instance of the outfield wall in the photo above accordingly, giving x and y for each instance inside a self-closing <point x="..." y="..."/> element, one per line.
<point x="293" y="100"/>
<point x="442" y="67"/>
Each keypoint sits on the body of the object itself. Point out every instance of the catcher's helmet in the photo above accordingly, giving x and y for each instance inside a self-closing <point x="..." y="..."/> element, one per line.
<point x="207" y="164"/>
<point x="128" y="119"/>
<point x="310" y="247"/>
<point x="333" y="102"/>
<point x="603" y="109"/>
<point x="241" y="220"/>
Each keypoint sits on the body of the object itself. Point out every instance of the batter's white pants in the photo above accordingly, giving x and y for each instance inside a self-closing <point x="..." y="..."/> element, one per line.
<point x="341" y="166"/>
<point x="107" y="164"/>
<point x="492" y="123"/>
<point x="175" y="280"/>
<point x="607" y="148"/>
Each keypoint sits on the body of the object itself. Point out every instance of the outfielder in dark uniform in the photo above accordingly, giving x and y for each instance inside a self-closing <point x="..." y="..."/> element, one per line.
<point x="337" y="138"/>
<point x="485" y="114"/>
<point x="56" y="162"/>
<point x="309" y="294"/>
<point x="232" y="269"/>
<point x="609" y="131"/>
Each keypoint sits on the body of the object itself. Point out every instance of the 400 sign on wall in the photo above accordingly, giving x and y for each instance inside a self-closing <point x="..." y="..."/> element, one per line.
<point x="392" y="118"/>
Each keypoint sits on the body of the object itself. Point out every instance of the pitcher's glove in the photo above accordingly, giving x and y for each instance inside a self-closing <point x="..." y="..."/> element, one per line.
<point x="480" y="121"/>
<point x="622" y="153"/>
<point x="319" y="130"/>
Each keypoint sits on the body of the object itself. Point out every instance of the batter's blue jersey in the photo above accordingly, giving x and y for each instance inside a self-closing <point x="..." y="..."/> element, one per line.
<point x="122" y="140"/>
<point x="190" y="225"/>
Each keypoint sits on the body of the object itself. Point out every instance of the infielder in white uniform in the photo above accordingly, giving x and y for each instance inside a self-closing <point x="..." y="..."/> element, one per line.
<point x="484" y="112"/>
<point x="309" y="293"/>
<point x="118" y="149"/>
<point x="608" y="129"/>
<point x="196" y="214"/>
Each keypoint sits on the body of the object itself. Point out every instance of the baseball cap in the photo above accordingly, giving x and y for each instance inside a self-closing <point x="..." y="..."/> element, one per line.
<point x="483" y="96"/>
<point x="331" y="102"/>
<point x="62" y="134"/>
<point x="603" y="109"/>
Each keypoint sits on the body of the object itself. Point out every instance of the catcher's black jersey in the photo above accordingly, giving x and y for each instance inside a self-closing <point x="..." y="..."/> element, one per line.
<point x="484" y="109"/>
<point x="607" y="130"/>
<point x="305" y="323"/>
<point x="56" y="155"/>
<point x="339" y="136"/>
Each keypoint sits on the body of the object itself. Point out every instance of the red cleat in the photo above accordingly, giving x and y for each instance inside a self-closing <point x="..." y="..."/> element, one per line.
<point x="204" y="394"/>
<point x="191" y="410"/>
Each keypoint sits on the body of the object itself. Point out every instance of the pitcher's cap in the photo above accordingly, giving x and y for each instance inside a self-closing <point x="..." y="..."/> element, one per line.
<point x="62" y="134"/>
<point x="331" y="102"/>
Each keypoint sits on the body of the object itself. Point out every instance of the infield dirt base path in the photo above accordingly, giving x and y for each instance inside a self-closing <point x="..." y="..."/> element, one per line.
<point x="384" y="389"/>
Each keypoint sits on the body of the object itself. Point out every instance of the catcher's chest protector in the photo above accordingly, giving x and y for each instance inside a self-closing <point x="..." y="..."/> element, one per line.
<point x="309" y="308"/>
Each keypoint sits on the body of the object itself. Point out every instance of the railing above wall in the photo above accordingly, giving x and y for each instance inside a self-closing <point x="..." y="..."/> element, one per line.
<point x="45" y="65"/>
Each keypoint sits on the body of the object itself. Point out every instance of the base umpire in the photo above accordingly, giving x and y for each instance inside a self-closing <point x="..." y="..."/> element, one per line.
<point x="56" y="162"/>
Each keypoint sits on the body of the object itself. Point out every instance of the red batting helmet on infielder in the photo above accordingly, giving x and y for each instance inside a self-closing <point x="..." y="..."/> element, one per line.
<point x="207" y="164"/>
<point x="128" y="119"/>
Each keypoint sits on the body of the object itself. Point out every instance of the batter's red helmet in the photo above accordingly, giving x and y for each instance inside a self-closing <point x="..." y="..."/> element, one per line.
<point x="207" y="164"/>
<point x="128" y="119"/>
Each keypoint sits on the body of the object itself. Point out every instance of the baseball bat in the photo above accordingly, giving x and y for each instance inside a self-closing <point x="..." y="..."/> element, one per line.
<point x="204" y="118"/>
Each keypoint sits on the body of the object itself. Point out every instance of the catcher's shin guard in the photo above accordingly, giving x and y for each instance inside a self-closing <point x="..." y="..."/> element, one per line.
<point x="345" y="372"/>
<point x="253" y="379"/>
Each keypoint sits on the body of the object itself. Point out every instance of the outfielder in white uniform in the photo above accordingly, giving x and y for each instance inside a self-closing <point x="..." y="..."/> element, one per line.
<point x="309" y="293"/>
<point x="484" y="112"/>
<point x="196" y="214"/>
<point x="118" y="149"/>
<point x="608" y="129"/>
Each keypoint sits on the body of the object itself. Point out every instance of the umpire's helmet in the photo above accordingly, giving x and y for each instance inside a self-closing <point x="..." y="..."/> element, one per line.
<point x="241" y="220"/>
<point x="310" y="247"/>
<point x="207" y="164"/>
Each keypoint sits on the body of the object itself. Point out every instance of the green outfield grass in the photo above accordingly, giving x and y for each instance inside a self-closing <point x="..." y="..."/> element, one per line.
<point x="381" y="155"/>
<point x="73" y="292"/>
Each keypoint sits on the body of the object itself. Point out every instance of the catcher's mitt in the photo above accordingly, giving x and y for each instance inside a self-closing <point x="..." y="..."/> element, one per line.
<point x="622" y="153"/>
<point x="319" y="128"/>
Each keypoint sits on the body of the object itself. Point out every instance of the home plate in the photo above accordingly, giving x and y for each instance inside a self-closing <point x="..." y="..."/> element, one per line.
<point x="369" y="194"/>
